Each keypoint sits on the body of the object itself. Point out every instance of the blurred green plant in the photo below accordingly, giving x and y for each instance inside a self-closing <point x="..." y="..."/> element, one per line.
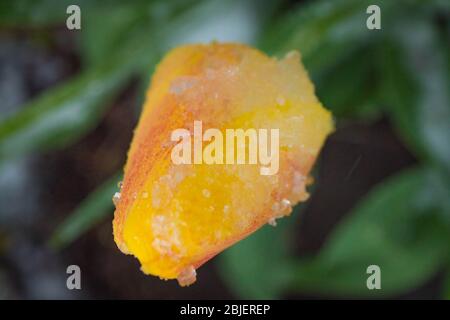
<point x="401" y="71"/>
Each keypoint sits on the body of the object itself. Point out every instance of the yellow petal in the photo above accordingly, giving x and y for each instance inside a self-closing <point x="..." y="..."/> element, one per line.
<point x="175" y="217"/>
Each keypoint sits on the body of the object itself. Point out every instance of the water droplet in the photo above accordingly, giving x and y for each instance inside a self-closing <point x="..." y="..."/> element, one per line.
<point x="272" y="222"/>
<point x="187" y="276"/>
<point x="162" y="246"/>
<point x="282" y="208"/>
<point x="180" y="85"/>
<point x="292" y="55"/>
<point x="298" y="183"/>
<point x="206" y="193"/>
<point x="145" y="195"/>
<point x="285" y="203"/>
<point x="120" y="185"/>
<point x="231" y="71"/>
<point x="281" y="101"/>
<point x="116" y="198"/>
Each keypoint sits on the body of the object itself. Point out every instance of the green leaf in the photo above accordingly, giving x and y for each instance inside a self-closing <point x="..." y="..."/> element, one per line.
<point x="386" y="229"/>
<point x="258" y="267"/>
<point x="26" y="13"/>
<point x="434" y="104"/>
<point x="123" y="19"/>
<point x="39" y="12"/>
<point x="66" y="112"/>
<point x="323" y="31"/>
<point x="117" y="22"/>
<point x="97" y="206"/>
<point x="63" y="114"/>
<point x="225" y="21"/>
<point x="416" y="88"/>
<point x="446" y="288"/>
<point x="436" y="192"/>
<point x="348" y="88"/>
<point x="399" y="95"/>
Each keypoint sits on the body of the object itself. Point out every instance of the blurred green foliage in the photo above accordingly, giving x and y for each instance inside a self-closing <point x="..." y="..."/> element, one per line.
<point x="401" y="71"/>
